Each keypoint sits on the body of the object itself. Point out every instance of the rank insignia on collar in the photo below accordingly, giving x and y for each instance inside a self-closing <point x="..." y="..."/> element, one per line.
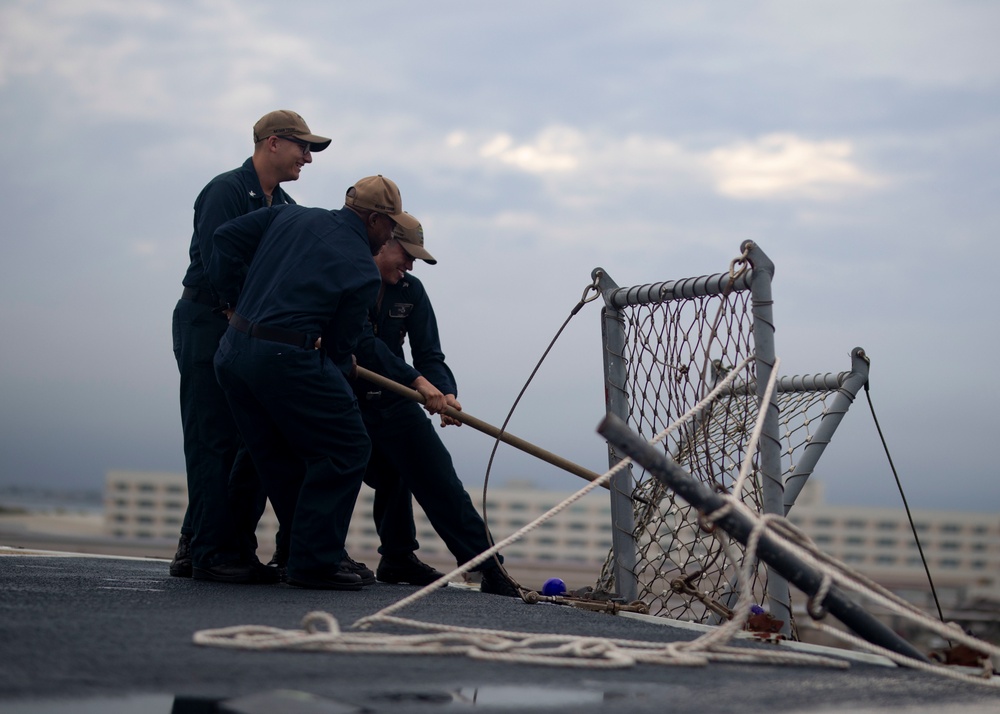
<point x="400" y="309"/>
<point x="253" y="194"/>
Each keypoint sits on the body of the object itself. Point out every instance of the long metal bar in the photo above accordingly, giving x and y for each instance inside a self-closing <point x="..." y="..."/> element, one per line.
<point x="769" y="548"/>
<point x="847" y="391"/>
<point x="486" y="428"/>
<point x="616" y="399"/>
<point x="822" y="382"/>
<point x="702" y="286"/>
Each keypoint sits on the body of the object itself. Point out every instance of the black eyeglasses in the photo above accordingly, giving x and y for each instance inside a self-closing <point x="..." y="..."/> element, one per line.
<point x="305" y="146"/>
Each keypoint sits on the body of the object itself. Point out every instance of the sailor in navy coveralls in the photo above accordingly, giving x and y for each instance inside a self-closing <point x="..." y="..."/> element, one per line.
<point x="408" y="457"/>
<point x="311" y="276"/>
<point x="209" y="546"/>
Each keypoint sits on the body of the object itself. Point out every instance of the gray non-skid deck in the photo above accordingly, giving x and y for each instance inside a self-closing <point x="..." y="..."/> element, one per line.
<point x="115" y="635"/>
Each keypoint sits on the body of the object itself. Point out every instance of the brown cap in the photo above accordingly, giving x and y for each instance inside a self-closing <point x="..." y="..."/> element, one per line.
<point x="412" y="241"/>
<point x="287" y="123"/>
<point x="379" y="194"/>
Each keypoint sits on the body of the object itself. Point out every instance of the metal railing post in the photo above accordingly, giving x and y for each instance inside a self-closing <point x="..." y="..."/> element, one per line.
<point x="617" y="402"/>
<point x="769" y="462"/>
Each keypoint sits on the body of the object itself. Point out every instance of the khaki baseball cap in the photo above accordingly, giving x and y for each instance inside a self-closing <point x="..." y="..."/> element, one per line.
<point x="379" y="194"/>
<point x="412" y="240"/>
<point x="286" y="123"/>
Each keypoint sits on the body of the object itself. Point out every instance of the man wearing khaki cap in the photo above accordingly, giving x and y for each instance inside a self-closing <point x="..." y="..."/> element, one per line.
<point x="311" y="276"/>
<point x="408" y="457"/>
<point x="209" y="548"/>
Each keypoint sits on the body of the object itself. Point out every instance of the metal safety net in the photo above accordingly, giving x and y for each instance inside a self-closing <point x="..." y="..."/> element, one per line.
<point x="667" y="345"/>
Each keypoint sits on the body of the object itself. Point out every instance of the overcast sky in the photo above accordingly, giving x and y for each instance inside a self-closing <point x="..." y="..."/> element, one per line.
<point x="856" y="142"/>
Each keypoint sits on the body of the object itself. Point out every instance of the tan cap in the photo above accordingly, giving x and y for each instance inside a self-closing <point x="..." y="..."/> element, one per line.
<point x="288" y="124"/>
<point x="379" y="194"/>
<point x="412" y="240"/>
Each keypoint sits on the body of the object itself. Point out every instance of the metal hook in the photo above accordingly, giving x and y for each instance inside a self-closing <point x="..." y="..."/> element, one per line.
<point x="595" y="286"/>
<point x="743" y="260"/>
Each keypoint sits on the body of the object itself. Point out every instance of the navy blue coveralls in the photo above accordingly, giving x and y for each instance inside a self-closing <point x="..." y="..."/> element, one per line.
<point x="407" y="454"/>
<point x="311" y="275"/>
<point x="211" y="438"/>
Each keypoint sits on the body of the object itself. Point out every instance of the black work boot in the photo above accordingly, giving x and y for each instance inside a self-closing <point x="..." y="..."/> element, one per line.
<point x="406" y="569"/>
<point x="350" y="565"/>
<point x="253" y="573"/>
<point x="180" y="566"/>
<point x="497" y="582"/>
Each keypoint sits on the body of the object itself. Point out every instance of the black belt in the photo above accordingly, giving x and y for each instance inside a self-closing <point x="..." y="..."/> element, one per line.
<point x="204" y="297"/>
<point x="272" y="334"/>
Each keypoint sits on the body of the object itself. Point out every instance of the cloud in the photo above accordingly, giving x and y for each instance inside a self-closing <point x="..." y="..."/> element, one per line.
<point x="555" y="149"/>
<point x="786" y="166"/>
<point x="777" y="165"/>
<point x="206" y="63"/>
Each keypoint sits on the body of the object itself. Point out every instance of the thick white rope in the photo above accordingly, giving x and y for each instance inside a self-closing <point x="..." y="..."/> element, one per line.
<point x="321" y="632"/>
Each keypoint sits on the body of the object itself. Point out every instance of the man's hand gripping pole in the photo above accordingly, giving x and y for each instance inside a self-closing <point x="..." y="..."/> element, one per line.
<point x="488" y="429"/>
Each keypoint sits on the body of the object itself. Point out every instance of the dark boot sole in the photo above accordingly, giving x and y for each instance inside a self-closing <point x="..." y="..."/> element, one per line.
<point x="180" y="570"/>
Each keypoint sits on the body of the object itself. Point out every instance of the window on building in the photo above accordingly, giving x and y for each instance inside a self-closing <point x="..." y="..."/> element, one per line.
<point x="951" y="528"/>
<point x="854" y="540"/>
<point x="854" y="524"/>
<point x="823" y="522"/>
<point x="147" y="487"/>
<point x="886" y="525"/>
<point x="949" y="563"/>
<point x="886" y="542"/>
